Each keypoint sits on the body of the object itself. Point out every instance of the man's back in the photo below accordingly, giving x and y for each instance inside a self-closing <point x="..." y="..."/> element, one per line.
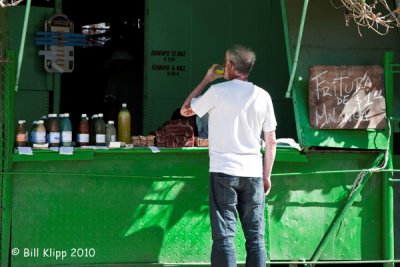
<point x="238" y="112"/>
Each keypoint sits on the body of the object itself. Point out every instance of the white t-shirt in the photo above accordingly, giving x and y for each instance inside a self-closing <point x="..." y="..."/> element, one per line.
<point x="238" y="113"/>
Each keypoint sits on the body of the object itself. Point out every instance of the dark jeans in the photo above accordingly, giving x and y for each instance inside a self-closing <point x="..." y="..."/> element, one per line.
<point x="229" y="196"/>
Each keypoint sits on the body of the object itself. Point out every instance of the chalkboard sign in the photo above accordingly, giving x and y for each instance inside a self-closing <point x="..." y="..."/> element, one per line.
<point x="346" y="97"/>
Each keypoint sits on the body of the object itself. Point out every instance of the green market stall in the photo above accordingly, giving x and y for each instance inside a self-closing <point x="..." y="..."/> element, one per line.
<point x="335" y="201"/>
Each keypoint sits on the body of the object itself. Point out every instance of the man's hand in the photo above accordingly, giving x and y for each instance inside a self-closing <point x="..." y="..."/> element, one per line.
<point x="187" y="111"/>
<point x="267" y="185"/>
<point x="210" y="76"/>
<point x="269" y="158"/>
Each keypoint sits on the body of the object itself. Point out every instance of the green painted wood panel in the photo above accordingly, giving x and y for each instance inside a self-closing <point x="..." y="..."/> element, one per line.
<point x="33" y="75"/>
<point x="139" y="207"/>
<point x="32" y="100"/>
<point x="167" y="59"/>
<point x="204" y="34"/>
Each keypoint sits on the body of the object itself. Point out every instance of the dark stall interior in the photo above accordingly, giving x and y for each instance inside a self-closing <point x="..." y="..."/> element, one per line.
<point x="109" y="28"/>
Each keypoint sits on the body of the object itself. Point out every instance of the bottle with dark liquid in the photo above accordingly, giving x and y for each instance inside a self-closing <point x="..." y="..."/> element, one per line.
<point x="83" y="132"/>
<point x="92" y="129"/>
<point x="100" y="131"/>
<point x="54" y="131"/>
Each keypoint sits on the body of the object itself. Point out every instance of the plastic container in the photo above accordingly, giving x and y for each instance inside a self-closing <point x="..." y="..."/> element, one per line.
<point x="124" y="125"/>
<point x="111" y="133"/>
<point x="100" y="131"/>
<point x="82" y="137"/>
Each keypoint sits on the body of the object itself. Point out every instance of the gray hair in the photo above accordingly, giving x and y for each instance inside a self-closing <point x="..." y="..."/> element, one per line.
<point x="242" y="58"/>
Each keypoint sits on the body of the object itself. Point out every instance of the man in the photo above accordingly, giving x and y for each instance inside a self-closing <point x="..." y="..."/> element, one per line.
<point x="238" y="112"/>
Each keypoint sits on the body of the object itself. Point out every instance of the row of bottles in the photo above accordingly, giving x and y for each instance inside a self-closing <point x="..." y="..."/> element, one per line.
<point x="51" y="129"/>
<point x="96" y="131"/>
<point x="57" y="131"/>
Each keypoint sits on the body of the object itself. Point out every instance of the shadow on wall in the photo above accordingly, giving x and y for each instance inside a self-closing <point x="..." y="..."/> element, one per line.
<point x="125" y="214"/>
<point x="171" y="222"/>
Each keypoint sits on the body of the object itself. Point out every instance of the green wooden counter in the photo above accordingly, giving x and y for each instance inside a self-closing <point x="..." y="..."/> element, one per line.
<point x="132" y="206"/>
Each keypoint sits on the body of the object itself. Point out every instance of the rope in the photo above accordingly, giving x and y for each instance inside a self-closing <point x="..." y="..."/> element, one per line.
<point x="362" y="174"/>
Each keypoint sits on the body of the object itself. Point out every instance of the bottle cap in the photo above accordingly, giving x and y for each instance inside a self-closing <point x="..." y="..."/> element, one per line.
<point x="66" y="114"/>
<point x="110" y="122"/>
<point x="100" y="115"/>
<point x="40" y="121"/>
<point x="62" y="115"/>
<point x="124" y="105"/>
<point x="21" y="121"/>
<point x="84" y="115"/>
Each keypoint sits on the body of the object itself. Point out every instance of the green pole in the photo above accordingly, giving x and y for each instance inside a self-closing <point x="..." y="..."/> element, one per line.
<point x="387" y="186"/>
<point x="298" y="45"/>
<point x="6" y="194"/>
<point x="57" y="76"/>
<point x="286" y="32"/>
<point x="22" y="44"/>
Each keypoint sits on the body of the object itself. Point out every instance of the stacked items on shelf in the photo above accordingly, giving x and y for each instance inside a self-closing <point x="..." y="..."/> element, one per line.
<point x="200" y="142"/>
<point x="175" y="133"/>
<point x="143" y="141"/>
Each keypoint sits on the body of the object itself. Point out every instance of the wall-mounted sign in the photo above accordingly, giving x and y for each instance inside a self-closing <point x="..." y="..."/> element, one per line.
<point x="347" y="97"/>
<point x="171" y="62"/>
<point x="59" y="42"/>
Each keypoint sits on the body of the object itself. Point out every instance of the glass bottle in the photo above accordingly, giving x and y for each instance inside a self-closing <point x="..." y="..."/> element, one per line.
<point x="92" y="127"/>
<point x="54" y="131"/>
<point x="21" y="137"/>
<point x="40" y="133"/>
<point x="32" y="133"/>
<point x="66" y="130"/>
<point x="111" y="133"/>
<point x="124" y="125"/>
<point x="100" y="131"/>
<point x="83" y="132"/>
